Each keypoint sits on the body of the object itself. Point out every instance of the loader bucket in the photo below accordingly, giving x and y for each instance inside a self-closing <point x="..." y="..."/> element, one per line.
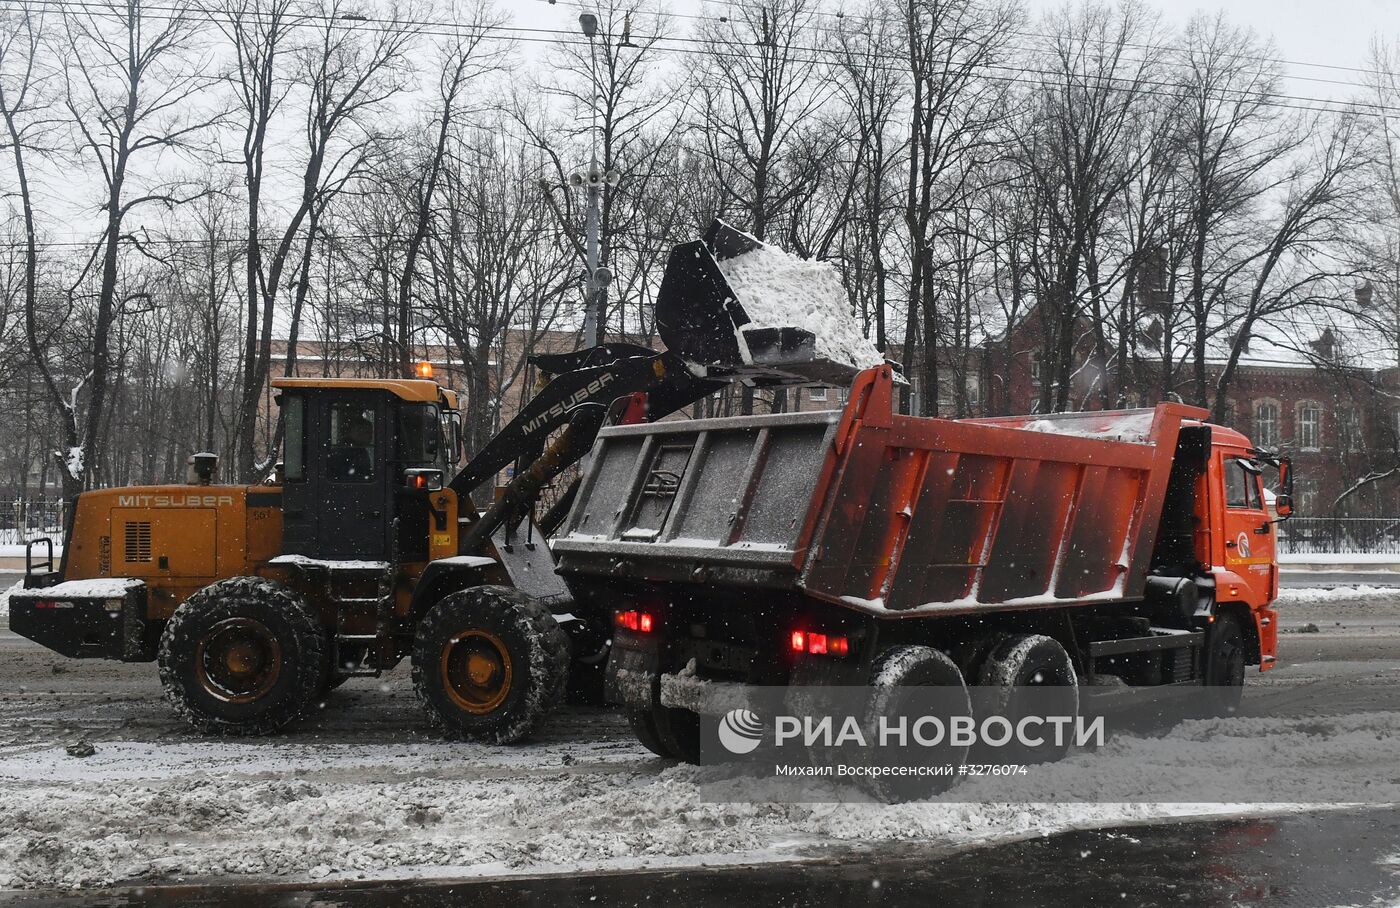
<point x="700" y="317"/>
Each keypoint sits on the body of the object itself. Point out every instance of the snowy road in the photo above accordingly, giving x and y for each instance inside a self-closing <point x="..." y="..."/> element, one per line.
<point x="362" y="791"/>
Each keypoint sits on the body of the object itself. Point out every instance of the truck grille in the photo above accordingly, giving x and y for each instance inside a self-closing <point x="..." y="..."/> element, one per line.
<point x="138" y="541"/>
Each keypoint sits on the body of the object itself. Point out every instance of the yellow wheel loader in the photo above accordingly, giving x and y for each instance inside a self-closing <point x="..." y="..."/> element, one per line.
<point x="255" y="600"/>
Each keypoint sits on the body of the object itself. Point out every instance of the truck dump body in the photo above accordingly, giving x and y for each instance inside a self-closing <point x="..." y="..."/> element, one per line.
<point x="880" y="512"/>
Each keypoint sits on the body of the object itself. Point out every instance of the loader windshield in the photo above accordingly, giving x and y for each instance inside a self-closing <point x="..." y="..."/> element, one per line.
<point x="420" y="441"/>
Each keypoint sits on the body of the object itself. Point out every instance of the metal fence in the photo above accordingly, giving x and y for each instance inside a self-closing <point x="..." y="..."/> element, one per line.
<point x="25" y="519"/>
<point x="1339" y="536"/>
<point x="22" y="520"/>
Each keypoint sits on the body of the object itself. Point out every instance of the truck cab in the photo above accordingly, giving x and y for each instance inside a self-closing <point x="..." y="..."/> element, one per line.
<point x="1241" y="547"/>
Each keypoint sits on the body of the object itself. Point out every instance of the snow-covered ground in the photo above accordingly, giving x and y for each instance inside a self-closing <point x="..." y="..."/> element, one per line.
<point x="1296" y="595"/>
<point x="362" y="790"/>
<point x="150" y="811"/>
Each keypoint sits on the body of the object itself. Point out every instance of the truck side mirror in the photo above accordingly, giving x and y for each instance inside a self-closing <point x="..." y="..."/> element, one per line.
<point x="1283" y="505"/>
<point x="422" y="479"/>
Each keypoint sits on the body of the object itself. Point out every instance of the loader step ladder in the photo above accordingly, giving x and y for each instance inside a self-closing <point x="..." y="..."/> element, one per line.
<point x="335" y="578"/>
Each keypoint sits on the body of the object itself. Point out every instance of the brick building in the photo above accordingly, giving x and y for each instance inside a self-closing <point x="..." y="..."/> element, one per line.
<point x="1322" y="389"/>
<point x="1316" y="395"/>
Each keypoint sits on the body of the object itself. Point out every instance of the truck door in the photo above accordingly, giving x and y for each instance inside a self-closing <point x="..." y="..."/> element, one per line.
<point x="1248" y="535"/>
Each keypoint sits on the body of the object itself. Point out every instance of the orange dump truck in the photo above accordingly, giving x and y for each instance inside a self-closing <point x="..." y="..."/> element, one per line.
<point x="837" y="548"/>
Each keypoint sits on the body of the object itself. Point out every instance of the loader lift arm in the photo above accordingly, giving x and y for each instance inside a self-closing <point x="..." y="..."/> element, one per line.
<point x="584" y="387"/>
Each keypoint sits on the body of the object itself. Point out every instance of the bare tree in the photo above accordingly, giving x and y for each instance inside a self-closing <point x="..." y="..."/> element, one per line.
<point x="1078" y="157"/>
<point x="348" y="69"/>
<point x="465" y="57"/>
<point x="955" y="115"/>
<point x="763" y="79"/>
<point x="132" y="94"/>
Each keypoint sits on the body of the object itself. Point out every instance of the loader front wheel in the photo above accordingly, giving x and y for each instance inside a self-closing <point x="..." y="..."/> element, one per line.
<point x="243" y="656"/>
<point x="488" y="664"/>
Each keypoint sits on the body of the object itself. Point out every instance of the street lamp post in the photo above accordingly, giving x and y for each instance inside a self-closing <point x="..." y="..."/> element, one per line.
<point x="594" y="178"/>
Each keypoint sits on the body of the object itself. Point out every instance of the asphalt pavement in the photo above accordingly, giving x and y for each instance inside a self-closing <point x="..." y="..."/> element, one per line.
<point x="1316" y="859"/>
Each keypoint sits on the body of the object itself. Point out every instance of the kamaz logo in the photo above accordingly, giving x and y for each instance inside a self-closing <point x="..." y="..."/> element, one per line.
<point x="567" y="404"/>
<point x="174" y="501"/>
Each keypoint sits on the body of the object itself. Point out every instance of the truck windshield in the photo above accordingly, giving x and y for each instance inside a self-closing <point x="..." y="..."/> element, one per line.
<point x="420" y="436"/>
<point x="1241" y="484"/>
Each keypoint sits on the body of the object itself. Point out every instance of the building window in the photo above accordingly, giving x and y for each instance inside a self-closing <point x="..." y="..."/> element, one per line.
<point x="1349" y="429"/>
<point x="1309" y="429"/>
<point x="974" y="394"/>
<point x="1266" y="423"/>
<point x="1305" y="497"/>
<point x="1037" y="368"/>
<point x="816" y="395"/>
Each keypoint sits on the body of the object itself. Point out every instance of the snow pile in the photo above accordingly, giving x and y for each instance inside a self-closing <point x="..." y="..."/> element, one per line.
<point x="153" y="811"/>
<point x="779" y="290"/>
<point x="1301" y="595"/>
<point x="1133" y="426"/>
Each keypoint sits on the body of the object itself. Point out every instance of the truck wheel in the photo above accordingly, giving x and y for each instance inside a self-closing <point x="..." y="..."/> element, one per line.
<point x="590" y="642"/>
<point x="242" y="656"/>
<point x="897" y="675"/>
<point x="1015" y="664"/>
<point x="644" y="727"/>
<point x="488" y="664"/>
<point x="1224" y="665"/>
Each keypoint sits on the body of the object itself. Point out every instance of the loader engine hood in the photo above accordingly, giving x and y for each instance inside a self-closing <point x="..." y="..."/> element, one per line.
<point x="733" y="303"/>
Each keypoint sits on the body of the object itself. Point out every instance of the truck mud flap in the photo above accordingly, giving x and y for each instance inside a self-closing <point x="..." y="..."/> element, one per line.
<point x="633" y="665"/>
<point x="708" y="698"/>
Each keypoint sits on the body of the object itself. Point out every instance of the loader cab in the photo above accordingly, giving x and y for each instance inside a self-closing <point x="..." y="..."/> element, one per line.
<point x="348" y="445"/>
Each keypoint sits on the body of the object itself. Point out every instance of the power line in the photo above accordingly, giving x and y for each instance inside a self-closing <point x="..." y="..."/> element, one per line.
<point x="568" y="38"/>
<point x="843" y="17"/>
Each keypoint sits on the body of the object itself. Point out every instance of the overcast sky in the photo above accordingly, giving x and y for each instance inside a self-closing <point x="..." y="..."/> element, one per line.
<point x="1326" y="33"/>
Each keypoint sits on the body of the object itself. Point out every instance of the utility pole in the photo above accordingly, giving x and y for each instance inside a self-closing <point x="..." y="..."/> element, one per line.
<point x="594" y="178"/>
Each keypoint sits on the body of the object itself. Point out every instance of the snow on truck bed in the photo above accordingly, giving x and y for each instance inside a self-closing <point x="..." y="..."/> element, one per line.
<point x="781" y="290"/>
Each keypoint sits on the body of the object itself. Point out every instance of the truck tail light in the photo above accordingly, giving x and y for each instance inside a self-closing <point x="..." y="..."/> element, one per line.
<point x="633" y="620"/>
<point x="814" y="644"/>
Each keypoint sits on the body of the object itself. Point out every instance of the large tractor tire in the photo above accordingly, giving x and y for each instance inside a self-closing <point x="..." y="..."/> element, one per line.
<point x="1016" y="665"/>
<point x="488" y="664"/>
<point x="243" y="656"/>
<point x="1224" y="665"/>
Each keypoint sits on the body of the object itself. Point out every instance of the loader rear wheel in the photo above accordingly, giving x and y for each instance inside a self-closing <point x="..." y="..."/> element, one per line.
<point x="488" y="664"/>
<point x="1010" y="685"/>
<point x="243" y="656"/>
